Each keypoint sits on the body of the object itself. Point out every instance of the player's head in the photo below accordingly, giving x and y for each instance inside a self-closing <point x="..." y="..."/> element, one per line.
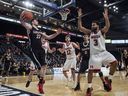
<point x="86" y="38"/>
<point x="67" y="38"/>
<point x="95" y="25"/>
<point x="43" y="40"/>
<point x="8" y="50"/>
<point x="34" y="21"/>
<point x="125" y="51"/>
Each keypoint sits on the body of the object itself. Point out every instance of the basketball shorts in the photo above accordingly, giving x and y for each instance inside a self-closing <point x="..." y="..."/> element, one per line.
<point x="104" y="58"/>
<point x="69" y="63"/>
<point x="83" y="65"/>
<point x="39" y="56"/>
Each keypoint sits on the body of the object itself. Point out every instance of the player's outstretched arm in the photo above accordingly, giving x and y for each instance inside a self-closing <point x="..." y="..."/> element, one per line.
<point x="75" y="45"/>
<point x="49" y="37"/>
<point x="22" y="21"/>
<point x="80" y="27"/>
<point x="49" y="49"/>
<point x="107" y="22"/>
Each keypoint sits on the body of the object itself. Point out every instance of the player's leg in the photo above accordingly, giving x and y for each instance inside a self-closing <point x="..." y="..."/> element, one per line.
<point x="94" y="66"/>
<point x="30" y="78"/>
<point x="78" y="82"/>
<point x="32" y="71"/>
<point x="82" y="69"/>
<point x="105" y="84"/>
<point x="126" y="67"/>
<point x="90" y="77"/>
<point x="73" y="74"/>
<point x="42" y="71"/>
<point x="110" y="59"/>
<point x="73" y="70"/>
<point x="66" y="68"/>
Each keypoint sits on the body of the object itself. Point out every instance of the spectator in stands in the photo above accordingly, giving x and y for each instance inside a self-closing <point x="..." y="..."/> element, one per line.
<point x="125" y="60"/>
<point x="8" y="59"/>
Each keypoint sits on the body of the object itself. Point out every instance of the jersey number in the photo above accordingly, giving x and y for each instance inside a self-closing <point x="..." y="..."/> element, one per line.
<point x="95" y="42"/>
<point x="38" y="36"/>
<point x="68" y="52"/>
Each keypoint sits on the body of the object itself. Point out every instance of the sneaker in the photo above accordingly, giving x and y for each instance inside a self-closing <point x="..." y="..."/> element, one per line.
<point x="126" y="75"/>
<point x="77" y="88"/>
<point x="89" y="92"/>
<point x="73" y="84"/>
<point x="40" y="87"/>
<point x="28" y="83"/>
<point x="107" y="84"/>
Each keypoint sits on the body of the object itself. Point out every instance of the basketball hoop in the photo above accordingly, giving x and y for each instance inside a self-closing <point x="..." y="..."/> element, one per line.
<point x="64" y="13"/>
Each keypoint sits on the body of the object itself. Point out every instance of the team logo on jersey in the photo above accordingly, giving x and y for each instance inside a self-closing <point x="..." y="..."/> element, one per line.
<point x="95" y="36"/>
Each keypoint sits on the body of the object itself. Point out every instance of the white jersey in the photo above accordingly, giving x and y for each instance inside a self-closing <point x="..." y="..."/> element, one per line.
<point x="97" y="43"/>
<point x="70" y="51"/>
<point x="45" y="46"/>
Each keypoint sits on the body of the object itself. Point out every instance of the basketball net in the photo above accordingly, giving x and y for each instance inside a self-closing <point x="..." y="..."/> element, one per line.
<point x="64" y="14"/>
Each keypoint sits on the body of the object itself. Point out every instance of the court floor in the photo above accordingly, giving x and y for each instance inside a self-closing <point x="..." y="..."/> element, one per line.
<point x="57" y="87"/>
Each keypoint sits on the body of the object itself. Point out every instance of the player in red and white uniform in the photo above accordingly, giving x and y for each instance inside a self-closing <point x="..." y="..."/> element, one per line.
<point x="98" y="53"/>
<point x="70" y="63"/>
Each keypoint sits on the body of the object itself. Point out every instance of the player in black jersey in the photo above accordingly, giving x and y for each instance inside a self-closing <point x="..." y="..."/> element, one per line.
<point x="84" y="55"/>
<point x="125" y="60"/>
<point x="38" y="53"/>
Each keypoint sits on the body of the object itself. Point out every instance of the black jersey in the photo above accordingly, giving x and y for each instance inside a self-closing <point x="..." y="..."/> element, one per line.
<point x="35" y="38"/>
<point x="8" y="56"/>
<point x="85" y="50"/>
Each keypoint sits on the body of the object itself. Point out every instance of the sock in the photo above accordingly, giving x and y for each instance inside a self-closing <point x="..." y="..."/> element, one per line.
<point x="41" y="79"/>
<point x="89" y="85"/>
<point x="110" y="77"/>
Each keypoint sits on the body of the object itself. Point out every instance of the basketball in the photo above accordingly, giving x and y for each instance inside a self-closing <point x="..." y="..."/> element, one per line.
<point x="27" y="14"/>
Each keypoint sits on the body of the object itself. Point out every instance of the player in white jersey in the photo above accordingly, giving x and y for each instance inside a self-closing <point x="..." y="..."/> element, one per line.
<point x="46" y="47"/>
<point x="70" y="63"/>
<point x="98" y="53"/>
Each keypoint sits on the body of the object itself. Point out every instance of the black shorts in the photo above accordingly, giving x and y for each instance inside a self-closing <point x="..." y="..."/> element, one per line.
<point x="7" y="65"/>
<point x="40" y="56"/>
<point x="83" y="65"/>
<point x="126" y="62"/>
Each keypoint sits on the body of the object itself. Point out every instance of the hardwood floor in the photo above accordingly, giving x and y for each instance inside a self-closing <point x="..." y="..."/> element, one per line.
<point x="57" y="87"/>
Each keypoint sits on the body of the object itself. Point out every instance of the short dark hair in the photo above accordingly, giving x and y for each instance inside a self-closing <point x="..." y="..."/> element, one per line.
<point x="85" y="35"/>
<point x="96" y="21"/>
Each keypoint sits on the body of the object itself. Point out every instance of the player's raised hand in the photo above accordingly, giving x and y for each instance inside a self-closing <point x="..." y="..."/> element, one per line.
<point x="22" y="17"/>
<point x="105" y="13"/>
<point x="79" y="12"/>
<point x="59" y="30"/>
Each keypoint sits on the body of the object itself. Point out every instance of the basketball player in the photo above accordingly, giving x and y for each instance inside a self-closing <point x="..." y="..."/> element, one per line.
<point x="125" y="60"/>
<point x="35" y="35"/>
<point x="98" y="53"/>
<point x="8" y="60"/>
<point x="70" y="63"/>
<point x="84" y="58"/>
<point x="45" y="46"/>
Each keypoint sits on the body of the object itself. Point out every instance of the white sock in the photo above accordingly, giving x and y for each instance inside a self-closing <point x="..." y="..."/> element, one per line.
<point x="89" y="85"/>
<point x="110" y="77"/>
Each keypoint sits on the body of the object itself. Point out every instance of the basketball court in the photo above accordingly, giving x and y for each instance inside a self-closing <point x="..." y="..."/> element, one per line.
<point x="57" y="87"/>
<point x="52" y="15"/>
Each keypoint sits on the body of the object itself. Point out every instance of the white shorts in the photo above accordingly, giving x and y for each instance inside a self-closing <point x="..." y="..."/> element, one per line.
<point x="104" y="58"/>
<point x="69" y="63"/>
